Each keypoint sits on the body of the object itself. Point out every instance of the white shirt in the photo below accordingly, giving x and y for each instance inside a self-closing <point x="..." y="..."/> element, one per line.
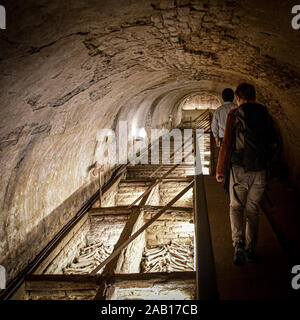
<point x="219" y="119"/>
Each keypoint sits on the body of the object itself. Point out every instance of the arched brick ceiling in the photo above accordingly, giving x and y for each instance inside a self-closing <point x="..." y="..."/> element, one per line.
<point x="70" y="68"/>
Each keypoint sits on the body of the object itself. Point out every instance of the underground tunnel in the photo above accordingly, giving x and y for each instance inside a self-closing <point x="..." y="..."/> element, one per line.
<point x="68" y="71"/>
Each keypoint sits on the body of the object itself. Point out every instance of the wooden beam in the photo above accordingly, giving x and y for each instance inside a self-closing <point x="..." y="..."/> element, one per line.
<point x="112" y="262"/>
<point x="156" y="208"/>
<point x="165" y="276"/>
<point x="121" y="245"/>
<point x="103" y="287"/>
<point x="119" y="210"/>
<point x="63" y="277"/>
<point x="122" y="210"/>
<point x="61" y="282"/>
<point x="143" y="167"/>
<point x="54" y="282"/>
<point x="146" y="197"/>
<point x="170" y="179"/>
<point x="125" y="234"/>
<point x="85" y="278"/>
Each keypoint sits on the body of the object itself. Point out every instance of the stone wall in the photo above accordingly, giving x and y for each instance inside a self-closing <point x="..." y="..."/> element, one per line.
<point x="171" y="226"/>
<point x="168" y="190"/>
<point x="153" y="290"/>
<point x="61" y="289"/>
<point x="27" y="246"/>
<point x="129" y="191"/>
<point x="106" y="229"/>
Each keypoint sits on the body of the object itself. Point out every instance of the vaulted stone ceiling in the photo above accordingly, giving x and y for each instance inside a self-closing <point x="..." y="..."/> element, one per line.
<point x="70" y="68"/>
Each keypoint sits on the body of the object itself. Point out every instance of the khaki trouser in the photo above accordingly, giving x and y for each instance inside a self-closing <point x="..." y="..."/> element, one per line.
<point x="249" y="187"/>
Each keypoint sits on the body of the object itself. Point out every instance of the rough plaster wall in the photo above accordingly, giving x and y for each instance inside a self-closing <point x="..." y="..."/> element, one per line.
<point x="69" y="69"/>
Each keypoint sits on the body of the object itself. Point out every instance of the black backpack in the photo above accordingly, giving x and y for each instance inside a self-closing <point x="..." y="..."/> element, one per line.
<point x="252" y="137"/>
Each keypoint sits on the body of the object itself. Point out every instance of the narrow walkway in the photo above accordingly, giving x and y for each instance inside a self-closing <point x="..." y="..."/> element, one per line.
<point x="269" y="279"/>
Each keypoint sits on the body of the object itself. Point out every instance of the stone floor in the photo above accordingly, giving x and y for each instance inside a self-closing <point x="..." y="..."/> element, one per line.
<point x="269" y="279"/>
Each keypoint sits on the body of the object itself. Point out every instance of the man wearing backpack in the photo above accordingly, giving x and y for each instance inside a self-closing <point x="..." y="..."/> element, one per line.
<point x="246" y="150"/>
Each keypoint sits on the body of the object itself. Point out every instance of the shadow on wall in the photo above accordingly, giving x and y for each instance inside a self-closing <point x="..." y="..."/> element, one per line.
<point x="20" y="259"/>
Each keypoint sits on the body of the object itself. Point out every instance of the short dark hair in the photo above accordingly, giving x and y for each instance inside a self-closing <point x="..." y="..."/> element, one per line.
<point x="228" y="94"/>
<point x="245" y="91"/>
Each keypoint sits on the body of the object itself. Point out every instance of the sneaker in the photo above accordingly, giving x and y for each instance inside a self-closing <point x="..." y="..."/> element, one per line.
<point x="239" y="254"/>
<point x="251" y="256"/>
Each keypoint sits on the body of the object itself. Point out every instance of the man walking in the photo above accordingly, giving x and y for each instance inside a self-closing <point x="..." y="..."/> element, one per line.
<point x="220" y="115"/>
<point x="246" y="150"/>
